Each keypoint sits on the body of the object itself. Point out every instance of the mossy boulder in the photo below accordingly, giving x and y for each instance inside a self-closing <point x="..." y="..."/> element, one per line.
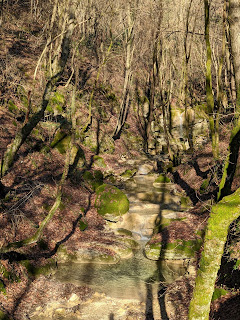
<point x="162" y="183"/>
<point x="127" y="174"/>
<point x="162" y="179"/>
<point x="47" y="269"/>
<point x="111" y="203"/>
<point x="153" y="250"/>
<point x="185" y="202"/>
<point x="176" y="250"/>
<point x="99" y="161"/>
<point x="90" y="253"/>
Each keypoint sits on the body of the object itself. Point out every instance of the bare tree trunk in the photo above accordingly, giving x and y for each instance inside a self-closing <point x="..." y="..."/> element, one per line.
<point x="187" y="54"/>
<point x="229" y="55"/>
<point x="125" y="104"/>
<point x="1" y="13"/>
<point x="209" y="94"/>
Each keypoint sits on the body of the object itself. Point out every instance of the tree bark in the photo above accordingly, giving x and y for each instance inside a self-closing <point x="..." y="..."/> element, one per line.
<point x="125" y="103"/>
<point x="222" y="215"/>
<point x="209" y="95"/>
<point x="234" y="145"/>
<point x="234" y="21"/>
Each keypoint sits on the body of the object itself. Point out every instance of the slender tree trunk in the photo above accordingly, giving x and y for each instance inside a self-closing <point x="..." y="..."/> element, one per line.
<point x="187" y="54"/>
<point x="209" y="95"/>
<point x="1" y="13"/>
<point x="125" y="104"/>
<point x="222" y="215"/>
<point x="229" y="55"/>
<point x="234" y="20"/>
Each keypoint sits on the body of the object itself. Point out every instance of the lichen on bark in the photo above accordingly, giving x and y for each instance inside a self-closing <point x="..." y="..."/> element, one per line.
<point x="222" y="215"/>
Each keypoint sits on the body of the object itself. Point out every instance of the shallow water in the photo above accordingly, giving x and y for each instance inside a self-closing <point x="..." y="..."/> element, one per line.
<point x="129" y="278"/>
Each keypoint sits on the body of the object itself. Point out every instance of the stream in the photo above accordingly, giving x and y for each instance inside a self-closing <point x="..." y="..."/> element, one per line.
<point x="136" y="278"/>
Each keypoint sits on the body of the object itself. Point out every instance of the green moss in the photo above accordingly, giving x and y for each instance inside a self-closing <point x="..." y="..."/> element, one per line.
<point x="56" y="103"/>
<point x="37" y="271"/>
<point x="82" y="225"/>
<point x="93" y="179"/>
<point x="185" y="202"/>
<point x="128" y="242"/>
<point x="9" y="275"/>
<point x="111" y="202"/>
<point x="62" y="143"/>
<point x="219" y="292"/>
<point x="127" y="174"/>
<point x="124" y="232"/>
<point x="111" y="96"/>
<point x="179" y="249"/>
<point x="3" y="316"/>
<point x="204" y="186"/>
<point x="237" y="265"/>
<point x="99" y="161"/>
<point x="64" y="256"/>
<point x="12" y="107"/>
<point x="153" y="250"/>
<point x="91" y="254"/>
<point x="2" y="287"/>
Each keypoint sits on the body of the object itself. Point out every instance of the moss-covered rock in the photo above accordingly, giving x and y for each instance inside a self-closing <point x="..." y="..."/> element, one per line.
<point x="127" y="174"/>
<point x="99" y="161"/>
<point x="111" y="202"/>
<point x="153" y="250"/>
<point x="91" y="253"/>
<point x="37" y="271"/>
<point x="185" y="202"/>
<point x="162" y="179"/>
<point x="177" y="250"/>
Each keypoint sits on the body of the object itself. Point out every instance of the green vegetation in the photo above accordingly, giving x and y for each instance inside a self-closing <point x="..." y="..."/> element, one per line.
<point x="218" y="293"/>
<point x="162" y="179"/>
<point x="111" y="202"/>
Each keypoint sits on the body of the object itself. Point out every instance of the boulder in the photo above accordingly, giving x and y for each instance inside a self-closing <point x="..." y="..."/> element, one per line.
<point x="111" y="202"/>
<point x="145" y="169"/>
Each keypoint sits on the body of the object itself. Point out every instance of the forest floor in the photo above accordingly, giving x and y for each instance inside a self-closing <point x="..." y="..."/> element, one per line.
<point x="32" y="183"/>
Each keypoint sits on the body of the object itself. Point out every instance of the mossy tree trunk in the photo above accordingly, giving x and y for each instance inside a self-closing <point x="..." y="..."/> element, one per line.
<point x="27" y="128"/>
<point x="213" y="120"/>
<point x="230" y="164"/>
<point x="222" y="215"/>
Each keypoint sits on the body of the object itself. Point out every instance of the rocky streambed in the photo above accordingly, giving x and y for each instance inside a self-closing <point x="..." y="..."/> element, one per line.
<point x="141" y="253"/>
